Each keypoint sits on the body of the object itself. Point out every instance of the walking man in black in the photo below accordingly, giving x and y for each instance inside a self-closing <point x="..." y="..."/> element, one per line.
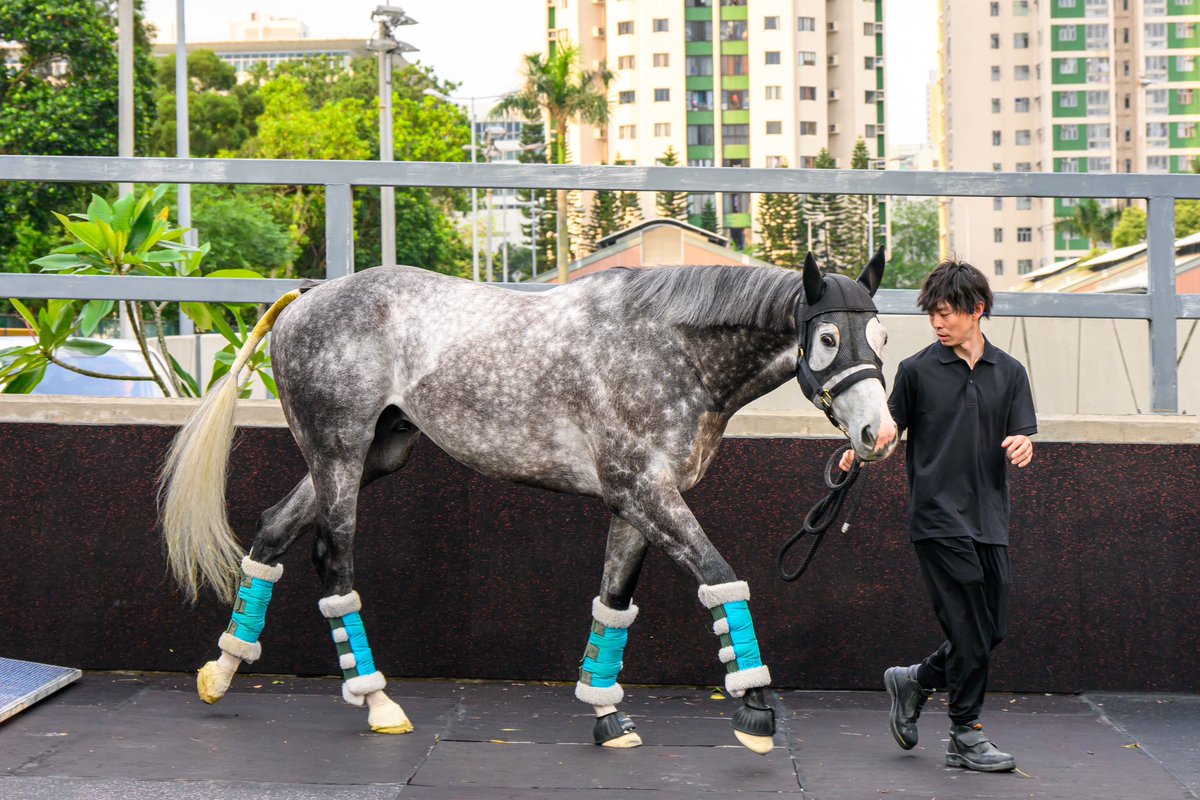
<point x="968" y="409"/>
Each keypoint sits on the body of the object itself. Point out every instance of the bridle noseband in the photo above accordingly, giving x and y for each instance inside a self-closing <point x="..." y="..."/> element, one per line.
<point x="824" y="385"/>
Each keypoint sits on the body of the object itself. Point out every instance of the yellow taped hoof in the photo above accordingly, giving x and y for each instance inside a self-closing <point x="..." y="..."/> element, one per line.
<point x="624" y="741"/>
<point x="388" y="717"/>
<point x="212" y="681"/>
<point x="756" y="744"/>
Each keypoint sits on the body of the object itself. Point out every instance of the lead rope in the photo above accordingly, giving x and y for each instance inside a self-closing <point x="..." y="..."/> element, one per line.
<point x="822" y="516"/>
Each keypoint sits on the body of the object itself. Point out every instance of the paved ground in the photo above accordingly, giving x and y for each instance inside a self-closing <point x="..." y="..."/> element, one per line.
<point x="148" y="736"/>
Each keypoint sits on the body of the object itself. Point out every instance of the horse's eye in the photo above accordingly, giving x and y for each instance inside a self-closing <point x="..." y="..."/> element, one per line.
<point x="827" y="340"/>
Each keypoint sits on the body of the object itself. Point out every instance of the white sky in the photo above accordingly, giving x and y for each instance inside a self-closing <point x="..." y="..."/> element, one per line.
<point x="478" y="45"/>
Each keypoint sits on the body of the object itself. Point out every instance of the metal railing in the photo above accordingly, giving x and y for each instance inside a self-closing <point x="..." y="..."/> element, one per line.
<point x="1160" y="306"/>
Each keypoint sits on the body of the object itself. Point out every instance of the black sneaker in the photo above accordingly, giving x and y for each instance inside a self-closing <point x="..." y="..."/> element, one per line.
<point x="969" y="747"/>
<point x="908" y="698"/>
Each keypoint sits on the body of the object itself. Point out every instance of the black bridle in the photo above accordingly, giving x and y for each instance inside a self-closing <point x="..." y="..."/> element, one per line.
<point x="822" y="386"/>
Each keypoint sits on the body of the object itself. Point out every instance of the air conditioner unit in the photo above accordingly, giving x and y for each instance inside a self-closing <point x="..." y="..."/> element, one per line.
<point x="600" y="132"/>
<point x="833" y="128"/>
<point x="833" y="27"/>
<point x="879" y="27"/>
<point x="879" y="61"/>
<point x="552" y="35"/>
<point x="834" y="94"/>
<point x="878" y="163"/>
<point x="832" y="60"/>
<point x="878" y="95"/>
<point x="879" y="129"/>
<point x="598" y="31"/>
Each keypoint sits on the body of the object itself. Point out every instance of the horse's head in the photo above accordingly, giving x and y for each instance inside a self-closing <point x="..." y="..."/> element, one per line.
<point x="841" y="355"/>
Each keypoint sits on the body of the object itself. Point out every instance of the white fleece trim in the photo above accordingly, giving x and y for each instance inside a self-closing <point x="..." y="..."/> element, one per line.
<point x="726" y="655"/>
<point x="254" y="569"/>
<point x="611" y="617"/>
<point x="355" y="689"/>
<point x="721" y="627"/>
<point x="246" y="651"/>
<point x="736" y="683"/>
<point x="713" y="596"/>
<point x="347" y="661"/>
<point x="340" y="635"/>
<point x="339" y="605"/>
<point x="597" y="696"/>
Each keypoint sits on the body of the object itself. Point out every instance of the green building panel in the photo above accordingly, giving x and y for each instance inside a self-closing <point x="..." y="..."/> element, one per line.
<point x="741" y="220"/>
<point x="879" y="115"/>
<point x="735" y="81"/>
<point x="1077" y="110"/>
<point x="880" y="149"/>
<point x="1058" y="75"/>
<point x="699" y="82"/>
<point x="735" y="12"/>
<point x="735" y="48"/>
<point x="736" y="151"/>
<point x="698" y="49"/>
<point x="1063" y="242"/>
<point x="1183" y="164"/>
<point x="879" y="78"/>
<point x="1177" y="108"/>
<point x="1175" y="74"/>
<point x="1179" y="8"/>
<point x="700" y="117"/>
<point x="699" y="151"/>
<point x="735" y="117"/>
<point x="1067" y="10"/>
<point x="1177" y="42"/>
<point x="1179" y="139"/>
<point x="690" y="13"/>
<point x="550" y="18"/>
<point x="1083" y="165"/>
<point x="1062" y="142"/>
<point x="1058" y="45"/>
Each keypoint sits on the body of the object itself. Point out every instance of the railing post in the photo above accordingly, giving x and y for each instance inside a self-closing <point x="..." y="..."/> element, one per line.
<point x="339" y="230"/>
<point x="1160" y="283"/>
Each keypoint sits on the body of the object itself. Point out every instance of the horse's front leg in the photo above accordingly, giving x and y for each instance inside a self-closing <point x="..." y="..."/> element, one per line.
<point x="653" y="504"/>
<point x="612" y="614"/>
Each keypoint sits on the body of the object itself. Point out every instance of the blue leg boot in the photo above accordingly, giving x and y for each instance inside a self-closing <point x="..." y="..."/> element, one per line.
<point x="598" y="673"/>
<point x="239" y="642"/>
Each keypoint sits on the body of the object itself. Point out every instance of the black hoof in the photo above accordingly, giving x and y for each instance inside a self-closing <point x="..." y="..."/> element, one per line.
<point x="610" y="726"/>
<point x="755" y="717"/>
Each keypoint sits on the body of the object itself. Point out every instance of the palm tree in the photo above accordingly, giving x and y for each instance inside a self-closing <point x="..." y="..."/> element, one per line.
<point x="563" y="91"/>
<point x="1089" y="220"/>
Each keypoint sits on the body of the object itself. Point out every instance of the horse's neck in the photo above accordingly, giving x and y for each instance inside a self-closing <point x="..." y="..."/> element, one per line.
<point x="737" y="365"/>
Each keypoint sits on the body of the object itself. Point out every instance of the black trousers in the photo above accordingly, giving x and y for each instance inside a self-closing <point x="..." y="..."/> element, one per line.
<point x="969" y="585"/>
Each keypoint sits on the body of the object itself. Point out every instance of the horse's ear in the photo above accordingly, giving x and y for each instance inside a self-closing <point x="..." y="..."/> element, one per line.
<point x="872" y="274"/>
<point x="814" y="283"/>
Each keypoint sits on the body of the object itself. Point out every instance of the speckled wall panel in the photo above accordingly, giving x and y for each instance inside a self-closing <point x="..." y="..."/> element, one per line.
<point x="463" y="576"/>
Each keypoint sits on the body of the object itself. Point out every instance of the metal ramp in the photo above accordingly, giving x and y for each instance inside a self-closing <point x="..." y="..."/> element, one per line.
<point x="23" y="683"/>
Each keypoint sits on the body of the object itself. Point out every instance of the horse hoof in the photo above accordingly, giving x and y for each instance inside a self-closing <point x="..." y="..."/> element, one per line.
<point x="212" y="681"/>
<point x="624" y="741"/>
<point x="389" y="718"/>
<point x="756" y="744"/>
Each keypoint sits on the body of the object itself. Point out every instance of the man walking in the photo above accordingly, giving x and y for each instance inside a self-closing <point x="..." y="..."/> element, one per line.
<point x="968" y="409"/>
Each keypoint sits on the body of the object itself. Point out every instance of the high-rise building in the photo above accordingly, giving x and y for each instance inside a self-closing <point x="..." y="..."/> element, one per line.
<point x="1059" y="86"/>
<point x="729" y="83"/>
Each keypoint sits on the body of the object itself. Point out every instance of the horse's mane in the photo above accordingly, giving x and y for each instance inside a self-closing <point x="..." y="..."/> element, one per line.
<point x="759" y="297"/>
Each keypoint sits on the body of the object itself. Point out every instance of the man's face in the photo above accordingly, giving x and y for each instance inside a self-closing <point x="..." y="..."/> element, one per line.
<point x="954" y="327"/>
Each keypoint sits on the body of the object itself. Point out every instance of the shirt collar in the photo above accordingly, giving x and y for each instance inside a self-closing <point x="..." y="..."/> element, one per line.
<point x="948" y="356"/>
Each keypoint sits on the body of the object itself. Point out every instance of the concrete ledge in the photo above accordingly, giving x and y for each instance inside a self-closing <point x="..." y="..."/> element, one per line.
<point x="55" y="410"/>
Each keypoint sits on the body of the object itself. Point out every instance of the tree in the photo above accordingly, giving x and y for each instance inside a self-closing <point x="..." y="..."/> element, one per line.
<point x="1130" y="228"/>
<point x="708" y="216"/>
<point x="823" y="215"/>
<point x="605" y="217"/>
<point x="672" y="205"/>
<point x="559" y="87"/>
<point x="241" y="231"/>
<point x="1089" y="220"/>
<point x="630" y="207"/>
<point x="60" y="98"/>
<point x="217" y="113"/>
<point x="537" y="207"/>
<point x="855" y="227"/>
<point x="779" y="229"/>
<point x="1187" y="217"/>
<point x="914" y="243"/>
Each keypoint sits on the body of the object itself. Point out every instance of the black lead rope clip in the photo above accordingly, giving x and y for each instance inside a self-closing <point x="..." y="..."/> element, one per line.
<point x="822" y="516"/>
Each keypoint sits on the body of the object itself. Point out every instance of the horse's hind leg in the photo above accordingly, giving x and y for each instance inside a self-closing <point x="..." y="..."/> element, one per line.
<point x="278" y="528"/>
<point x="612" y="614"/>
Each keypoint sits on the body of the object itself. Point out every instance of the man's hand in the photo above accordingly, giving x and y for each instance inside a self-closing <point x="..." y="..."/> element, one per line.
<point x="1020" y="450"/>
<point x="847" y="461"/>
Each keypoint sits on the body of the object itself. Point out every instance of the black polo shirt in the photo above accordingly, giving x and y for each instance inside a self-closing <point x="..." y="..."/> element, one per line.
<point x="956" y="418"/>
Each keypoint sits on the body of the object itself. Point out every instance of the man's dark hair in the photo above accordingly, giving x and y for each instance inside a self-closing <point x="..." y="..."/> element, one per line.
<point x="959" y="285"/>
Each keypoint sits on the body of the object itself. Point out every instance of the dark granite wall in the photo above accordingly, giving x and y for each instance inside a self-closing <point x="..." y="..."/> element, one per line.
<point x="463" y="576"/>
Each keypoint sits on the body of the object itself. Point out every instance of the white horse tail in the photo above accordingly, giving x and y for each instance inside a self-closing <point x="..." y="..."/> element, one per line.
<point x="200" y="543"/>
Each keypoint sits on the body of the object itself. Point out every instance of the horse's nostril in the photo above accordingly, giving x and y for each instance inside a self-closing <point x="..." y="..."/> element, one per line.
<point x="867" y="437"/>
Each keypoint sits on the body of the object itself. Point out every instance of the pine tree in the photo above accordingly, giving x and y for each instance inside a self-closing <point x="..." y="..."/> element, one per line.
<point x="538" y="206"/>
<point x="779" y="220"/>
<point x="671" y="205"/>
<point x="708" y="217"/>
<point x="630" y="208"/>
<point x="605" y="217"/>
<point x="854" y="234"/>
<point x="823" y="215"/>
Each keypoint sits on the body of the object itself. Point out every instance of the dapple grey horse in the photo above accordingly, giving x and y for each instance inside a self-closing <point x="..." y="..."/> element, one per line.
<point x="634" y="374"/>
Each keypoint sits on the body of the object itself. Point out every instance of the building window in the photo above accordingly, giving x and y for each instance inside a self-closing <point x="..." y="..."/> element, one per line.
<point x="995" y="38"/>
<point x="662" y="129"/>
<point x="1069" y="100"/>
<point x="870" y="131"/>
<point x="1158" y="163"/>
<point x="1024" y="266"/>
<point x="1068" y="66"/>
<point x="770" y="23"/>
<point x="996" y="138"/>
<point x="734" y="100"/>
<point x="808" y="128"/>
<point x="997" y="204"/>
<point x="700" y="100"/>
<point x="735" y="65"/>
<point x="1021" y="105"/>
<point x="697" y="30"/>
<point x="734" y="30"/>
<point x="1021" y="72"/>
<point x="624" y="28"/>
<point x="808" y="58"/>
<point x="697" y="202"/>
<point x="774" y="93"/>
<point x="995" y="9"/>
<point x="1021" y="41"/>
<point x="808" y="162"/>
<point x="772" y="57"/>
<point x="869" y="96"/>
<point x="662" y="59"/>
<point x="1024" y="203"/>
<point x="997" y="166"/>
<point x="1024" y="234"/>
<point x="627" y="97"/>
<point x="774" y="127"/>
<point x="995" y="105"/>
<point x="1066" y="3"/>
<point x="775" y="162"/>
<point x="995" y="73"/>
<point x="627" y="132"/>
<point x="1067" y="33"/>
<point x="808" y="93"/>
<point x="662" y="95"/>
<point x="735" y="134"/>
<point x="700" y="135"/>
<point x="698" y="66"/>
<point x="1023" y="137"/>
<point x="1024" y="166"/>
<point x="737" y="202"/>
<point x="869" y="62"/>
<point x="998" y="235"/>
<point x="1021" y="8"/>
<point x="625" y="62"/>
<point x="998" y="266"/>
<point x="806" y="23"/>
<point x="1185" y="63"/>
<point x="660" y="25"/>
<point x="1068" y="165"/>
<point x="1185" y="130"/>
<point x="868" y="29"/>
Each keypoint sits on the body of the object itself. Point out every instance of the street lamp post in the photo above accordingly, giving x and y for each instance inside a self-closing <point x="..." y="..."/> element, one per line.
<point x="388" y="17"/>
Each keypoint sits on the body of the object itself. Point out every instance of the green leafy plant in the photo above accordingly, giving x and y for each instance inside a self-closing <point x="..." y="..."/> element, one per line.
<point x="132" y="236"/>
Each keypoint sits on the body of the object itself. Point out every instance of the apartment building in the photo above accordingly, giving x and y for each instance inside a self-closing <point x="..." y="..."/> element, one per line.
<point x="1070" y="86"/>
<point x="729" y="83"/>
